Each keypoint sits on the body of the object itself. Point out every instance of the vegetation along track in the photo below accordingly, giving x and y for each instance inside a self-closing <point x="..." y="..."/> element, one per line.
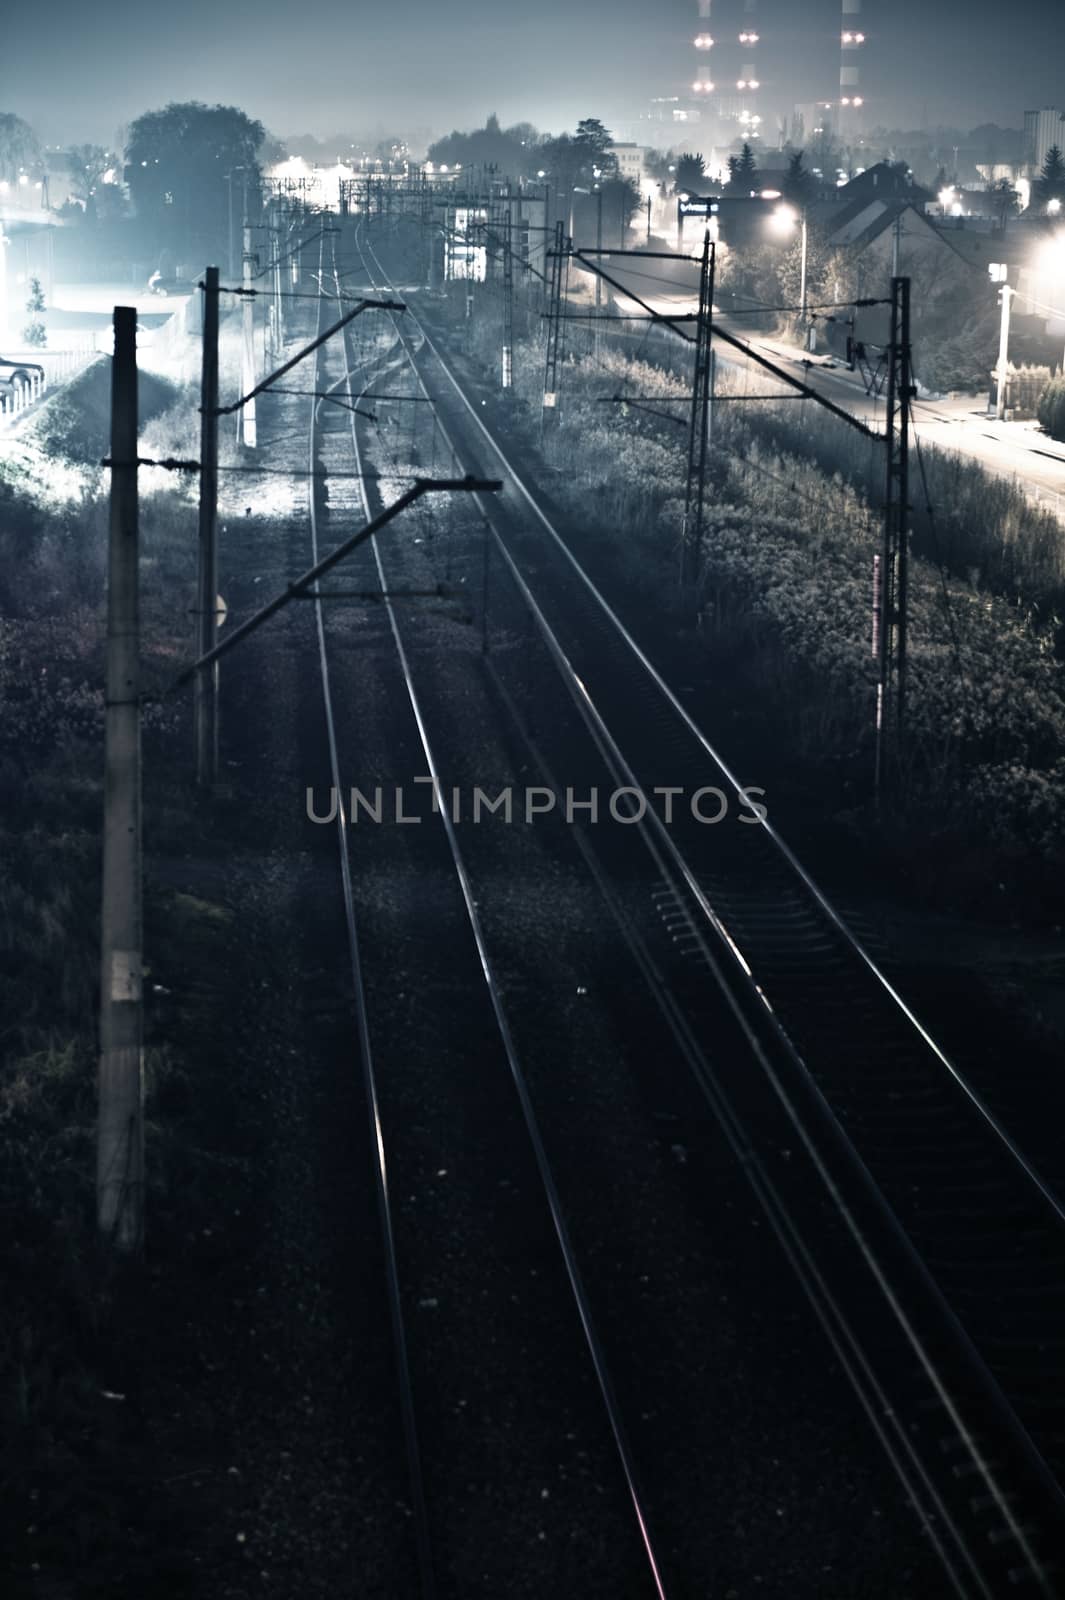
<point x="932" y="1249"/>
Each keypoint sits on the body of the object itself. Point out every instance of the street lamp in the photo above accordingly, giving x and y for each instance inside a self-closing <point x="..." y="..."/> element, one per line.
<point x="783" y="220"/>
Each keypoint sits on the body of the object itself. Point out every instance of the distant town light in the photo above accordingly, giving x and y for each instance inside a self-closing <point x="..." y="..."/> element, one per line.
<point x="703" y="41"/>
<point x="748" y="38"/>
<point x="857" y="101"/>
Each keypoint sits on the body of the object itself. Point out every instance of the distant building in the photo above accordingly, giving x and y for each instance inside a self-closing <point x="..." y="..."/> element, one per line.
<point x="1042" y="130"/>
<point x="629" y="158"/>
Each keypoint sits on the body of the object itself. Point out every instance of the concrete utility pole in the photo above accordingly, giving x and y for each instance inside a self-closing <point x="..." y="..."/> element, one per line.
<point x="807" y="329"/>
<point x="248" y="431"/>
<point x="1005" y="297"/>
<point x="599" y="251"/>
<point x="120" y="1109"/>
<point x="205" y="701"/>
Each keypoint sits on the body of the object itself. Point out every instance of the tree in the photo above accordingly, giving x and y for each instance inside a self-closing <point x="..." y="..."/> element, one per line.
<point x="691" y="172"/>
<point x="20" y="149"/>
<point x="178" y="161"/>
<point x="511" y="152"/>
<point x="661" y="164"/>
<point x="741" y="171"/>
<point x="1051" y="411"/>
<point x="621" y="201"/>
<point x="87" y="164"/>
<point x="1050" y="184"/>
<point x="34" y="332"/>
<point x="1002" y="201"/>
<point x="593" y="142"/>
<point x="561" y="159"/>
<point x="798" y="185"/>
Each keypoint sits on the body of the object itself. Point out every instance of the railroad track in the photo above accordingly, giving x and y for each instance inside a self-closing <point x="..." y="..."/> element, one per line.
<point x="335" y="445"/>
<point x="931" y="1251"/>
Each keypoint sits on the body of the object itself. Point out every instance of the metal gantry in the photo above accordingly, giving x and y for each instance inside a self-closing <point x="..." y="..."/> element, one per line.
<point x="892" y="587"/>
<point x="508" y="294"/>
<point x="699" y="429"/>
<point x="554" y="325"/>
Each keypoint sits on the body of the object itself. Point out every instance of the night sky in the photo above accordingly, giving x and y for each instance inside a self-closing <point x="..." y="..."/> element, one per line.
<point x="78" y="72"/>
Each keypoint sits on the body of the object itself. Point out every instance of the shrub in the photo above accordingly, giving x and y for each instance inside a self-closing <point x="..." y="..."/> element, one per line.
<point x="1051" y="407"/>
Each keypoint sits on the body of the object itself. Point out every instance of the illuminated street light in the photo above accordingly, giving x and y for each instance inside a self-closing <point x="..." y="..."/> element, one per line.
<point x="703" y="41"/>
<point x="782" y="221"/>
<point x="783" y="218"/>
<point x="748" y="38"/>
<point x="1053" y="207"/>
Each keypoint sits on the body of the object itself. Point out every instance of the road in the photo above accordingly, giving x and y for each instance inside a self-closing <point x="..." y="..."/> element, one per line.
<point x="1019" y="451"/>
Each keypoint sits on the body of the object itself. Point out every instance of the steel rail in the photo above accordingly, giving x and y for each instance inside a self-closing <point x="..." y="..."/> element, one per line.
<point x="420" y="1510"/>
<point x="882" y="1416"/>
<point x="1056" y="1205"/>
<point x="547" y="1178"/>
<point x="616" y="759"/>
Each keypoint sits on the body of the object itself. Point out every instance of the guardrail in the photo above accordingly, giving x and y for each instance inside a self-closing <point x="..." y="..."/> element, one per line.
<point x="60" y="366"/>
